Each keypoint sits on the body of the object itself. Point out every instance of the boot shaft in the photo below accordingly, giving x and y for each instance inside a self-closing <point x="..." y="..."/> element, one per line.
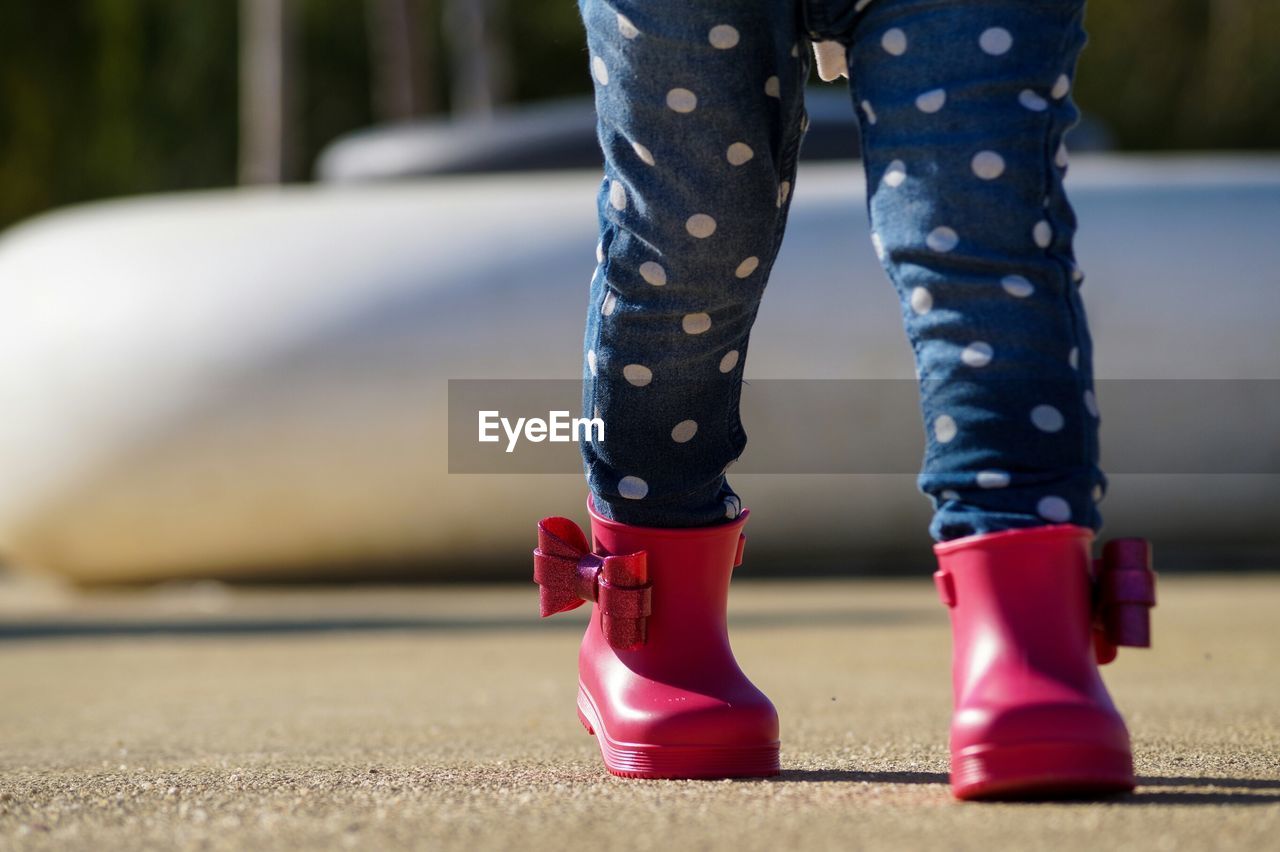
<point x="1020" y="602"/>
<point x="689" y="571"/>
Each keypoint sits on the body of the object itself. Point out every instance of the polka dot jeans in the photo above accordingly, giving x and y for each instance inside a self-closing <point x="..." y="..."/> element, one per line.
<point x="962" y="106"/>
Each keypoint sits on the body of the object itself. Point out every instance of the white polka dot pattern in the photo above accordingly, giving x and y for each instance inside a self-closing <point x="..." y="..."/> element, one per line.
<point x="993" y="172"/>
<point x="977" y="354"/>
<point x="992" y="479"/>
<point x="700" y="225"/>
<point x="894" y="42"/>
<point x="944" y="428"/>
<point x="1047" y="418"/>
<point x="921" y="300"/>
<point x="1042" y="233"/>
<point x="739" y="153"/>
<point x="1016" y="285"/>
<point x="942" y="239"/>
<point x="617" y="195"/>
<point x="696" y="323"/>
<point x="1032" y="101"/>
<point x="895" y="174"/>
<point x="653" y="273"/>
<point x="600" y="71"/>
<point x="878" y="244"/>
<point x="995" y="41"/>
<point x="682" y="100"/>
<point x="987" y="165"/>
<point x="931" y="101"/>
<point x="1054" y="509"/>
<point x="637" y="374"/>
<point x="632" y="488"/>
<point x="684" y="431"/>
<point x="723" y="37"/>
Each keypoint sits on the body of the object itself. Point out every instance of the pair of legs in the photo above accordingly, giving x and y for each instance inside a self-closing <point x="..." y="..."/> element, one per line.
<point x="963" y="106"/>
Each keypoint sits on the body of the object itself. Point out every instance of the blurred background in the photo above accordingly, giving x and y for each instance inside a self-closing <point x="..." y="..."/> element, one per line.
<point x="112" y="97"/>
<point x="311" y="214"/>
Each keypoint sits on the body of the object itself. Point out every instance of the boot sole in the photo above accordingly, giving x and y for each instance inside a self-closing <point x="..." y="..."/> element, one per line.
<point x="637" y="760"/>
<point x="1040" y="771"/>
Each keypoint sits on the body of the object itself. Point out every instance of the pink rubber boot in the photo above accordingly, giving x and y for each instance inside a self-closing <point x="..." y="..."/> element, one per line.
<point x="1031" y="618"/>
<point x="657" y="681"/>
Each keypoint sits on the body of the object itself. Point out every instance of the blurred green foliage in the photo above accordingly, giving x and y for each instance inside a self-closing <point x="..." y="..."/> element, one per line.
<point x="102" y="97"/>
<point x="109" y="97"/>
<point x="1165" y="74"/>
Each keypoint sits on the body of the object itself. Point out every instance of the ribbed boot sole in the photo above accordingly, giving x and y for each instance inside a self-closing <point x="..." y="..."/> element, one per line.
<point x="1040" y="770"/>
<point x="634" y="760"/>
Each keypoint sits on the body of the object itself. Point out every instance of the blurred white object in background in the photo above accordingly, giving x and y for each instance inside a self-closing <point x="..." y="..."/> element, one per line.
<point x="253" y="382"/>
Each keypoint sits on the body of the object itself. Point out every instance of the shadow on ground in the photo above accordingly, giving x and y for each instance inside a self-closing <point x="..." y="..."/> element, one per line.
<point x="88" y="628"/>
<point x="1206" y="791"/>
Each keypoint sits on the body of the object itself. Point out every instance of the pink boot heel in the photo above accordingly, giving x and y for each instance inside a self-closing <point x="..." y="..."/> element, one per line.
<point x="1030" y="623"/>
<point x="657" y="681"/>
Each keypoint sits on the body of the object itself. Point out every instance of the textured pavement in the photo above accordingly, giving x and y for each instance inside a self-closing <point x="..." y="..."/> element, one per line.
<point x="198" y="717"/>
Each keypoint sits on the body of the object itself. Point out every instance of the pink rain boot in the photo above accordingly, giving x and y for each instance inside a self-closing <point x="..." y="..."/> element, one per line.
<point x="657" y="681"/>
<point x="1030" y="622"/>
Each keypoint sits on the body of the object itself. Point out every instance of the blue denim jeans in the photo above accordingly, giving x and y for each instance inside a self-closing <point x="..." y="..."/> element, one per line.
<point x="962" y="106"/>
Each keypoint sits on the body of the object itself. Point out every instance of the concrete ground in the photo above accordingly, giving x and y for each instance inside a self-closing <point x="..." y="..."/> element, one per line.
<point x="443" y="718"/>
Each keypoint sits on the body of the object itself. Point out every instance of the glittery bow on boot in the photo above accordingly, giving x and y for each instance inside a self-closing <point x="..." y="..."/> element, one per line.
<point x="569" y="574"/>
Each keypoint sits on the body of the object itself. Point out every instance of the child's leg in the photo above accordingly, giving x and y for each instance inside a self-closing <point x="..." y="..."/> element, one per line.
<point x="700" y="112"/>
<point x="963" y="106"/>
<point x="700" y="107"/>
